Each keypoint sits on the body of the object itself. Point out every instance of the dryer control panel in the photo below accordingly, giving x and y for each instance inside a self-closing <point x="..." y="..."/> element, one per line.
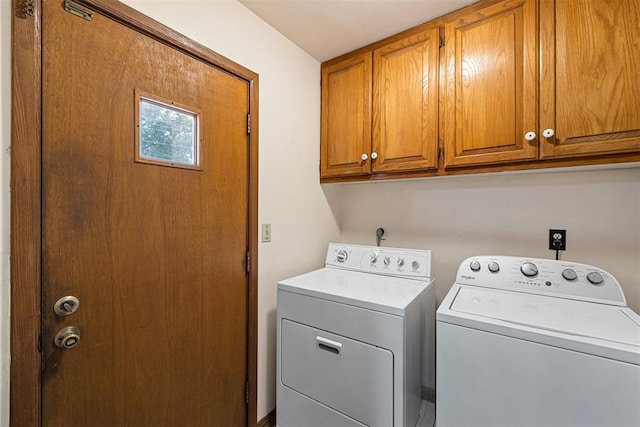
<point x="408" y="263"/>
<point x="562" y="279"/>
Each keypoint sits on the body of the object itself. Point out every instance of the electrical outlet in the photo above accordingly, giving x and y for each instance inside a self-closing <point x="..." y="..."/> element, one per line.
<point x="266" y="233"/>
<point x="558" y="240"/>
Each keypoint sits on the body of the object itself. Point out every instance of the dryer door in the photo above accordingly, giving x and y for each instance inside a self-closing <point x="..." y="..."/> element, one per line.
<point x="348" y="376"/>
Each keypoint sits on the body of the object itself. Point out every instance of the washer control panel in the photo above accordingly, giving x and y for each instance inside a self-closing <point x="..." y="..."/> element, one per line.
<point x="542" y="276"/>
<point x="411" y="263"/>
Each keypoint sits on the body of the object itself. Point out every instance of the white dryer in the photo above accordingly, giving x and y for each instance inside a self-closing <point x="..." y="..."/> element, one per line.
<point x="354" y="339"/>
<point x="536" y="342"/>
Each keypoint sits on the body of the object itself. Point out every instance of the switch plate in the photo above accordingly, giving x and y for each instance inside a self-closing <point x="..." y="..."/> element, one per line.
<point x="558" y="240"/>
<point x="266" y="233"/>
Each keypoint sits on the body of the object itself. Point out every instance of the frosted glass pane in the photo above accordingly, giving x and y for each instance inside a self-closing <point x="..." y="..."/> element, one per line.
<point x="167" y="134"/>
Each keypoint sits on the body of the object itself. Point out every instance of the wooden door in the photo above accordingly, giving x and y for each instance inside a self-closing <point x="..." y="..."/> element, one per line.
<point x="346" y="117"/>
<point x="590" y="77"/>
<point x="155" y="251"/>
<point x="405" y="104"/>
<point x="491" y="85"/>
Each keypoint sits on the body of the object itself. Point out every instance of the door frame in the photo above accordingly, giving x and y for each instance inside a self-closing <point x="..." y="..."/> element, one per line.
<point x="26" y="206"/>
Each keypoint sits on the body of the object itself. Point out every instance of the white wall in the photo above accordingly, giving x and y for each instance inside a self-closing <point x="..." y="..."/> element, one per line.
<point x="5" y="142"/>
<point x="505" y="214"/>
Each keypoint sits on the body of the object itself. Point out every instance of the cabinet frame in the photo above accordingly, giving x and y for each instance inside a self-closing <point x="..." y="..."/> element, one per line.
<point x="392" y="128"/>
<point x="346" y="123"/>
<point x="601" y="64"/>
<point x="463" y="149"/>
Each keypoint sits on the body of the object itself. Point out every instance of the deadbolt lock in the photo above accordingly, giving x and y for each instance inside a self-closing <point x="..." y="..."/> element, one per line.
<point x="68" y="338"/>
<point x="66" y="306"/>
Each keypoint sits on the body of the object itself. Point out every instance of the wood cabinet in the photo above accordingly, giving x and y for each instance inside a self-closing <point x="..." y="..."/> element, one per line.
<point x="346" y="117"/>
<point x="575" y="95"/>
<point x="590" y="77"/>
<point x="402" y="75"/>
<point x="490" y="87"/>
<point x="518" y="84"/>
<point x="405" y="103"/>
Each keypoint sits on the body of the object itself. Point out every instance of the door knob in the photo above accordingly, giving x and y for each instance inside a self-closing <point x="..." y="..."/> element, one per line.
<point x="548" y="133"/>
<point x="364" y="157"/>
<point x="67" y="338"/>
<point x="530" y="136"/>
<point x="66" y="305"/>
<point x="374" y="155"/>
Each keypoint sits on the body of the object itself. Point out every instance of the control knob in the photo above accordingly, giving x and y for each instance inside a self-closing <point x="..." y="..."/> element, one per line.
<point x="342" y="256"/>
<point x="387" y="261"/>
<point x="595" y="278"/>
<point x="493" y="267"/>
<point x="415" y="265"/>
<point x="569" y="274"/>
<point x="474" y="266"/>
<point x="400" y="262"/>
<point x="529" y="269"/>
<point x="374" y="258"/>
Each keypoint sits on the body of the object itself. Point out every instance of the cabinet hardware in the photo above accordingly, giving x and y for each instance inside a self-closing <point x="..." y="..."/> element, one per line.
<point x="548" y="133"/>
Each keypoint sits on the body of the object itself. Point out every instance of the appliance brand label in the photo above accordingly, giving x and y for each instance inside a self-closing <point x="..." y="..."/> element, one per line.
<point x="468" y="277"/>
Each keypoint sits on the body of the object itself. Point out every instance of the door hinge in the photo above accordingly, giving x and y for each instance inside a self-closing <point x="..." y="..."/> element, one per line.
<point x="76" y="9"/>
<point x="248" y="123"/>
<point x="24" y="8"/>
<point x="248" y="262"/>
<point x="246" y="392"/>
<point x="39" y="343"/>
<point x="441" y="42"/>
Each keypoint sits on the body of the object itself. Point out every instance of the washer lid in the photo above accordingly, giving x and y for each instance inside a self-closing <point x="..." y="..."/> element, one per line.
<point x="577" y="318"/>
<point x="373" y="291"/>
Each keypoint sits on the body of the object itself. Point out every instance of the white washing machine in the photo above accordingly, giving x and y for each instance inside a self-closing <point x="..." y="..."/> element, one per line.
<point x="536" y="342"/>
<point x="355" y="338"/>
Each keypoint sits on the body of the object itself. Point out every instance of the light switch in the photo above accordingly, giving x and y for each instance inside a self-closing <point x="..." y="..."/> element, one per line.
<point x="266" y="233"/>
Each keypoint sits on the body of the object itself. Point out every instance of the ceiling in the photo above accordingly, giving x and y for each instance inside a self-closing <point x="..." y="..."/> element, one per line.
<point x="328" y="28"/>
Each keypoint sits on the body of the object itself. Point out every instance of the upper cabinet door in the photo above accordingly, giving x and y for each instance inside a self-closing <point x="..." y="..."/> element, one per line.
<point x="491" y="85"/>
<point x="346" y="117"/>
<point x="590" y="77"/>
<point x="405" y="104"/>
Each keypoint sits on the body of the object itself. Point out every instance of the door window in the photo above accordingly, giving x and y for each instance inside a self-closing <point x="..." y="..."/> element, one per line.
<point x="167" y="133"/>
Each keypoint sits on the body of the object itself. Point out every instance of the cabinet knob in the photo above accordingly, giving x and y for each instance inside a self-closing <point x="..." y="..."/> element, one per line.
<point x="374" y="155"/>
<point x="548" y="133"/>
<point x="364" y="157"/>
<point x="530" y="136"/>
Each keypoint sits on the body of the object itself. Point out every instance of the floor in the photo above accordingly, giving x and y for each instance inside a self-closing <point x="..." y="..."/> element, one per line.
<point x="427" y="414"/>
